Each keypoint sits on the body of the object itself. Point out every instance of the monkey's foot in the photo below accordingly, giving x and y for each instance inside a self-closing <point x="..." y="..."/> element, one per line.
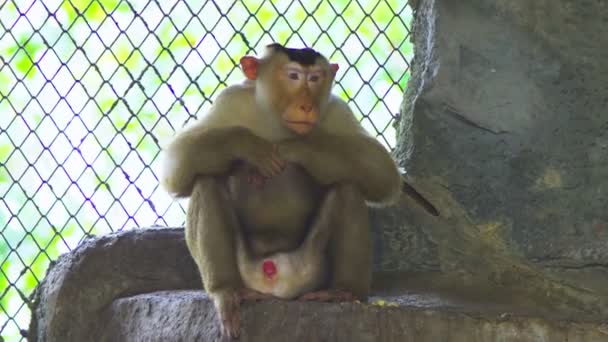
<point x="249" y="294"/>
<point x="227" y="304"/>
<point x="328" y="296"/>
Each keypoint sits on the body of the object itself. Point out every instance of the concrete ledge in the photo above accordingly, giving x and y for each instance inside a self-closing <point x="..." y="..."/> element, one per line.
<point x="140" y="285"/>
<point x="189" y="316"/>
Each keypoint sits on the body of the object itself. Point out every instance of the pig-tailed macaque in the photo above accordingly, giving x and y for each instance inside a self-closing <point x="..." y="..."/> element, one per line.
<point x="279" y="172"/>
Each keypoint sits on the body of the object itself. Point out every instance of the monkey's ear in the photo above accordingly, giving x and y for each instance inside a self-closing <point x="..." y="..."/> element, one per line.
<point x="334" y="68"/>
<point x="250" y="67"/>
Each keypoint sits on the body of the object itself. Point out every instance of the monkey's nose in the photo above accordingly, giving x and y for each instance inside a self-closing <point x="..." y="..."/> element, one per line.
<point x="306" y="108"/>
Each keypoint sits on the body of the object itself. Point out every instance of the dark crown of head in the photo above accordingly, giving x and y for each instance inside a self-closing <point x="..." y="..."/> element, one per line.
<point x="306" y="56"/>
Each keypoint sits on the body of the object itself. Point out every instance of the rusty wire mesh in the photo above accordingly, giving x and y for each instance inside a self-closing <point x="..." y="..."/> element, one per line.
<point x="90" y="90"/>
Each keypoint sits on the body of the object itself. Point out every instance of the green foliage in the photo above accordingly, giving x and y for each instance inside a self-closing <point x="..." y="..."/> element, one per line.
<point x="350" y="31"/>
<point x="25" y="51"/>
<point x="92" y="10"/>
<point x="5" y="84"/>
<point x="6" y="265"/>
<point x="183" y="40"/>
<point x="5" y="151"/>
<point x="404" y="79"/>
<point x="4" y="177"/>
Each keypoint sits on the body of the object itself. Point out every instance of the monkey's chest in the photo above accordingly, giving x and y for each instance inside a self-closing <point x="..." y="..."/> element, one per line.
<point x="285" y="203"/>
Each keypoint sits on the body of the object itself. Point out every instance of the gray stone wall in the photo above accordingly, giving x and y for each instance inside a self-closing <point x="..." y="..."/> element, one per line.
<point x="504" y="131"/>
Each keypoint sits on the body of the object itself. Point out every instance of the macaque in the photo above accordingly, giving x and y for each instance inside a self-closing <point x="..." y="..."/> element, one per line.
<point x="279" y="172"/>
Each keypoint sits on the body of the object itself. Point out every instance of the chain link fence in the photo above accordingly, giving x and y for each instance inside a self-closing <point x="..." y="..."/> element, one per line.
<point x="91" y="89"/>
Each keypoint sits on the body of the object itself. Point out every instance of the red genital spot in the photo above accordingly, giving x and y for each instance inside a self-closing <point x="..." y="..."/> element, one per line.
<point x="269" y="268"/>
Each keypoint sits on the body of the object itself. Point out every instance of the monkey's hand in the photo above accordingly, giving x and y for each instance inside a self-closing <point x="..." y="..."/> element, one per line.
<point x="357" y="159"/>
<point x="318" y="162"/>
<point x="227" y="305"/>
<point x="262" y="154"/>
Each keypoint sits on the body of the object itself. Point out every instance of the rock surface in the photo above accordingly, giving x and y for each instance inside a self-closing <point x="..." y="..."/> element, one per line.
<point x="106" y="291"/>
<point x="189" y="316"/>
<point x="504" y="131"/>
<point x="507" y="114"/>
<point x="82" y="283"/>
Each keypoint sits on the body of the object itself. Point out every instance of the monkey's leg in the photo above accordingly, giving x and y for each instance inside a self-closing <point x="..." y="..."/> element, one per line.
<point x="350" y="247"/>
<point x="210" y="230"/>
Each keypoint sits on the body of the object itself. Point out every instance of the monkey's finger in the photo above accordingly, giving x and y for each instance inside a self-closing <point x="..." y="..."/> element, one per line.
<point x="277" y="157"/>
<point x="231" y="320"/>
<point x="235" y="324"/>
<point x="266" y="170"/>
<point x="262" y="168"/>
<point x="271" y="167"/>
<point x="277" y="166"/>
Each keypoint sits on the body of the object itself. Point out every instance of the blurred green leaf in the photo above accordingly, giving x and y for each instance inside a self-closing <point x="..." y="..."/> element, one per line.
<point x="382" y="14"/>
<point x="26" y="50"/>
<point x="134" y="61"/>
<point x="4" y="83"/>
<point x="133" y="127"/>
<point x="5" y="150"/>
<point x="106" y="104"/>
<point x="122" y="53"/>
<point x="109" y="5"/>
<point x="252" y="5"/>
<point x="4" y="248"/>
<point x="223" y="64"/>
<point x="70" y="10"/>
<point x="35" y="273"/>
<point x="82" y="12"/>
<point x="5" y="269"/>
<point x="184" y="40"/>
<point x="92" y="10"/>
<point x="190" y="91"/>
<point x="24" y="63"/>
<point x="4" y="178"/>
<point x="404" y="79"/>
<point x="164" y="33"/>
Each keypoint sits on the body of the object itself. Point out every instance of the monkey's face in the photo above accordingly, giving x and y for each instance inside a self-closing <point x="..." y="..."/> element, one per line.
<point x="296" y="91"/>
<point x="300" y="93"/>
<point x="294" y="83"/>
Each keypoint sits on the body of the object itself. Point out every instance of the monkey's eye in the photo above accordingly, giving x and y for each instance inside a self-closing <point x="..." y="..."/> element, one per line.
<point x="293" y="75"/>
<point x="313" y="78"/>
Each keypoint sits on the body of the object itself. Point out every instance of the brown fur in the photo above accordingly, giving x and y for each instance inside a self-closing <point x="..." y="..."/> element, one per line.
<point x="311" y="203"/>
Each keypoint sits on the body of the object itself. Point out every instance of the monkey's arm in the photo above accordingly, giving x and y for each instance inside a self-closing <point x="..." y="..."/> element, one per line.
<point x="210" y="152"/>
<point x="357" y="158"/>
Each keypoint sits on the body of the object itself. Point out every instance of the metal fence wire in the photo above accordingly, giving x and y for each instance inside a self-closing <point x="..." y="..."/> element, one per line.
<point x="91" y="89"/>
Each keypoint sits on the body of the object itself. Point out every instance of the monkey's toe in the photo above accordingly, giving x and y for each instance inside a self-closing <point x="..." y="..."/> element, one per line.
<point x="231" y="325"/>
<point x="229" y="314"/>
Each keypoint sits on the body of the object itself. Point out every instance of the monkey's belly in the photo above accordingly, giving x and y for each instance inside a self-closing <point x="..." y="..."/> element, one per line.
<point x="280" y="208"/>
